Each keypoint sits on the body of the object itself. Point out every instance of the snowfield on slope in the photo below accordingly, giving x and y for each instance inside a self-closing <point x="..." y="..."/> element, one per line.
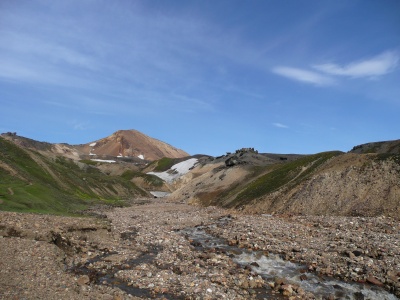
<point x="104" y="160"/>
<point x="158" y="194"/>
<point x="176" y="170"/>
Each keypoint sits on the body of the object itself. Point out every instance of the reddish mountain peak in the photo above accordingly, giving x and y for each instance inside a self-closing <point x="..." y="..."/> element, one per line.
<point x="132" y="143"/>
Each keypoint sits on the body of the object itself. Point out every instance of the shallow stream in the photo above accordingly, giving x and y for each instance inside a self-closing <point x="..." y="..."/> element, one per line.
<point x="272" y="266"/>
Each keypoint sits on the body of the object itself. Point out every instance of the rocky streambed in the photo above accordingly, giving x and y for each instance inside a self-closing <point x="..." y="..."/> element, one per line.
<point x="158" y="250"/>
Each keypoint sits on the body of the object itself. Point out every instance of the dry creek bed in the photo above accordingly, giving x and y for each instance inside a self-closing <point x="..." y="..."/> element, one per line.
<point x="159" y="250"/>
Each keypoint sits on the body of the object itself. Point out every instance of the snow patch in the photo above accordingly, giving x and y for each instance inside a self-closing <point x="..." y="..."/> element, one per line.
<point x="141" y="156"/>
<point x="160" y="194"/>
<point x="104" y="160"/>
<point x="92" y="144"/>
<point x="176" y="170"/>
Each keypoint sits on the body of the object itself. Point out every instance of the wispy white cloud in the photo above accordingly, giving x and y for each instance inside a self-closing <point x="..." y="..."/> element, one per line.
<point x="79" y="125"/>
<point x="280" y="125"/>
<point x="372" y="67"/>
<point x="39" y="48"/>
<point x="304" y="76"/>
<point x="25" y="71"/>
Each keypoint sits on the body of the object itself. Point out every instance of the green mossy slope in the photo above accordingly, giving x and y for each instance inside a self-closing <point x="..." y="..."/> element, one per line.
<point x="31" y="182"/>
<point x="281" y="175"/>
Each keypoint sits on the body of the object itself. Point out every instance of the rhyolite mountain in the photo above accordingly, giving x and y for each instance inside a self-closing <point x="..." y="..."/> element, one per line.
<point x="131" y="143"/>
<point x="39" y="176"/>
<point x="122" y="143"/>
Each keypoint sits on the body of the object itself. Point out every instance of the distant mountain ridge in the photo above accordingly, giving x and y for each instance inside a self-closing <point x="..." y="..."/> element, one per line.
<point x="45" y="177"/>
<point x="131" y="143"/>
<point x="122" y="143"/>
<point x="327" y="183"/>
<point x="389" y="147"/>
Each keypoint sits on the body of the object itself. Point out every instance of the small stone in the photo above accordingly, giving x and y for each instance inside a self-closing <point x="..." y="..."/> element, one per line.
<point x="300" y="291"/>
<point x="253" y="284"/>
<point x="245" y="284"/>
<point x="373" y="280"/>
<point x="280" y="281"/>
<point x="287" y="289"/>
<point x="84" y="279"/>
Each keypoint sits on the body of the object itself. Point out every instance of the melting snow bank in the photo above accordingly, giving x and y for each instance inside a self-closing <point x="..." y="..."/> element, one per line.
<point x="176" y="170"/>
<point x="159" y="194"/>
<point x="104" y="160"/>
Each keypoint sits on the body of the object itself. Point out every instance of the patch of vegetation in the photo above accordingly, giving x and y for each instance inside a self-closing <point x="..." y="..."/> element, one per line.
<point x="57" y="186"/>
<point x="287" y="174"/>
<point x="388" y="156"/>
<point x="222" y="197"/>
<point x="88" y="162"/>
<point x="164" y="164"/>
<point x="395" y="147"/>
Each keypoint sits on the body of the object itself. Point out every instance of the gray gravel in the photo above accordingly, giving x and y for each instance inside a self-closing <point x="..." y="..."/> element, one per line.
<point x="140" y="252"/>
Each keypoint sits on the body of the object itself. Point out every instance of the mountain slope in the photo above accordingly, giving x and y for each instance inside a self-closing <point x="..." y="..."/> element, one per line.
<point x="36" y="176"/>
<point x="220" y="183"/>
<point x="329" y="183"/>
<point x="391" y="147"/>
<point x="30" y="181"/>
<point x="131" y="143"/>
<point x="348" y="184"/>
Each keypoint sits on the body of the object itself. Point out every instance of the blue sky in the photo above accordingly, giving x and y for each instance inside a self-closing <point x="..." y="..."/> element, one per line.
<point x="204" y="76"/>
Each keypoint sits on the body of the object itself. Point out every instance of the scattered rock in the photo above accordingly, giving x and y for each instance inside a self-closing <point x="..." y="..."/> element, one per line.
<point x="373" y="280"/>
<point x="84" y="279"/>
<point x="142" y="247"/>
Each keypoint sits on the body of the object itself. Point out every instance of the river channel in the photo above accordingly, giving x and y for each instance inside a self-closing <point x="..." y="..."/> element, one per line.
<point x="271" y="266"/>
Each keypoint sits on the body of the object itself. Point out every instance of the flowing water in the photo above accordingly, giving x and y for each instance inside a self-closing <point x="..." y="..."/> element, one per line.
<point x="272" y="266"/>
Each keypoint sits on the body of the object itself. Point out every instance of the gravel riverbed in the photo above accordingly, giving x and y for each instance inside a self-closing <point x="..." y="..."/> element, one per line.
<point x="145" y="252"/>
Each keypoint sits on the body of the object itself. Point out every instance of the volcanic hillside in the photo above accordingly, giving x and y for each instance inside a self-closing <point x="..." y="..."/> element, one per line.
<point x="363" y="182"/>
<point x="327" y="183"/>
<point x="130" y="143"/>
<point x="389" y="147"/>
<point x="36" y="181"/>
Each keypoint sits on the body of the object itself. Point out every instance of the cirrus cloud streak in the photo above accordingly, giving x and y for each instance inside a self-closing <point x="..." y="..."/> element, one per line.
<point x="373" y="67"/>
<point x="304" y="76"/>
<point x="280" y="125"/>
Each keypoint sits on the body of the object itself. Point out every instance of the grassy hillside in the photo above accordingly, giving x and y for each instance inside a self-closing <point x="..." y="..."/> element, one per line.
<point x="388" y="147"/>
<point x="163" y="164"/>
<point x="32" y="182"/>
<point x="281" y="175"/>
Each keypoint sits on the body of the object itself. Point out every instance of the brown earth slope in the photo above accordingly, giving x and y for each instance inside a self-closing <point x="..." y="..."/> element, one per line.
<point x="331" y="183"/>
<point x="392" y="147"/>
<point x="126" y="143"/>
<point x="131" y="143"/>
<point x="347" y="185"/>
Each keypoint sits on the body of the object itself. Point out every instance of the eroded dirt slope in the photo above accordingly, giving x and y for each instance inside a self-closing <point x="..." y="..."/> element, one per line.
<point x="349" y="184"/>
